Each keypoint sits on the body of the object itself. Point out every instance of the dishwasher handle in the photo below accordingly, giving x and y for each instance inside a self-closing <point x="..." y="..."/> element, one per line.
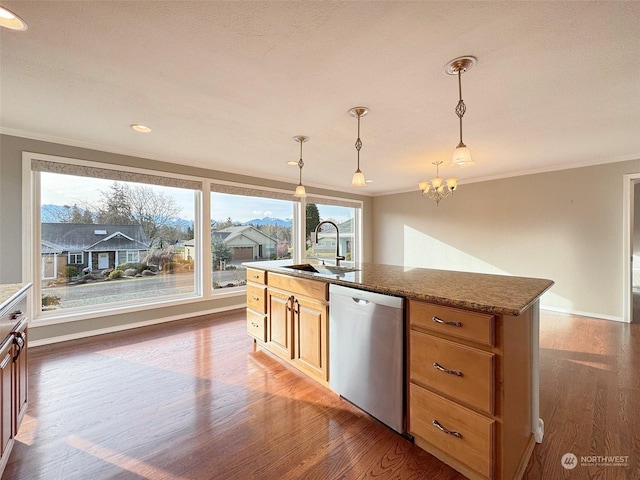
<point x="360" y="301"/>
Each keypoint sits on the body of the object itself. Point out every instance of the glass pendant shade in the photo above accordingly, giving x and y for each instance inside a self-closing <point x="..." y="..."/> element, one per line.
<point x="461" y="158"/>
<point x="358" y="179"/>
<point x="300" y="191"/>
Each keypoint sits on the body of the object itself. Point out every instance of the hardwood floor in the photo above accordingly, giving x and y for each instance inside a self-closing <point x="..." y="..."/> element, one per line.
<point x="194" y="400"/>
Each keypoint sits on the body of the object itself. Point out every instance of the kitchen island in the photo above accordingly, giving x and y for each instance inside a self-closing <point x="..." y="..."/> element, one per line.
<point x="471" y="352"/>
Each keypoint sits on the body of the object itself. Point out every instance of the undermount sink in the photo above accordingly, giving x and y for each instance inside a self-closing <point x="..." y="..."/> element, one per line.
<point x="321" y="269"/>
<point x="305" y="267"/>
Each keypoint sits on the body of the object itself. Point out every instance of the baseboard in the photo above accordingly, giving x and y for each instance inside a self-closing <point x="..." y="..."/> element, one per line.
<point x="128" y="326"/>
<point x="601" y="316"/>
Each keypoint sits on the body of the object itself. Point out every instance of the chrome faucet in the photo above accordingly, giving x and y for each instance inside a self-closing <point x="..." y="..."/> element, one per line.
<point x="338" y="256"/>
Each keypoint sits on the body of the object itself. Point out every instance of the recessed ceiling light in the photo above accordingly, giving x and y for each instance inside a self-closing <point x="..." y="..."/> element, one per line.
<point x="140" y="128"/>
<point x="10" y="20"/>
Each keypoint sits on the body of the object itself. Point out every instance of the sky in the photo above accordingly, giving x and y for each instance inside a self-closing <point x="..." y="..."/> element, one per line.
<point x="59" y="189"/>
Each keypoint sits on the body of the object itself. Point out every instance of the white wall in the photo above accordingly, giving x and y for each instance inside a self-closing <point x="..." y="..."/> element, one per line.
<point x="565" y="226"/>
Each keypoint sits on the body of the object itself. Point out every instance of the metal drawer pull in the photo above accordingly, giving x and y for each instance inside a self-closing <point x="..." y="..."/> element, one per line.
<point x="255" y="298"/>
<point x="444" y="322"/>
<point x="457" y="373"/>
<point x="17" y="314"/>
<point x="255" y="276"/>
<point x="254" y="325"/>
<point x="448" y="432"/>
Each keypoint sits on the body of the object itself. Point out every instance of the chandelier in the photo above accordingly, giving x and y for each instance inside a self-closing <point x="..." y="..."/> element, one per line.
<point x="461" y="156"/>
<point x="437" y="188"/>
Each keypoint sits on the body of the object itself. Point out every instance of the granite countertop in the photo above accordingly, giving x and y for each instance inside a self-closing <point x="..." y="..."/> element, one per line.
<point x="9" y="291"/>
<point x="495" y="294"/>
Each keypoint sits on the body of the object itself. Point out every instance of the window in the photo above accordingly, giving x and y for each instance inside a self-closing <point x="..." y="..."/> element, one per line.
<point x="106" y="237"/>
<point x="75" y="258"/>
<point x="248" y="226"/>
<point x="112" y="237"/>
<point x="345" y="218"/>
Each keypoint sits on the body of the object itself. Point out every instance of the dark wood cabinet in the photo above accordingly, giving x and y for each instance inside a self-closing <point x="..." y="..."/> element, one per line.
<point x="13" y="367"/>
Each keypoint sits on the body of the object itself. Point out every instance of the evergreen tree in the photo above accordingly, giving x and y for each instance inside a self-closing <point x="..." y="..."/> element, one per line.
<point x="220" y="251"/>
<point x="313" y="219"/>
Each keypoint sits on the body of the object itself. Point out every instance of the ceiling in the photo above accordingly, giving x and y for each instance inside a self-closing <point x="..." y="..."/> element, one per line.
<point x="226" y="85"/>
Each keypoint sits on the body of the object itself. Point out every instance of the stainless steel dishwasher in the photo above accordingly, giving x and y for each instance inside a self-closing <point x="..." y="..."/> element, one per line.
<point x="366" y="357"/>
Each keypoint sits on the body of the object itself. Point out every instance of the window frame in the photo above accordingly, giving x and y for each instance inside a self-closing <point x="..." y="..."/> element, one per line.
<point x="75" y="254"/>
<point x="31" y="235"/>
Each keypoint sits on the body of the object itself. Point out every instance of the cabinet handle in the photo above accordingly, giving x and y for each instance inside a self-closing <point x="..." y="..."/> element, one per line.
<point x="296" y="304"/>
<point x="436" y="424"/>
<point x="255" y="276"/>
<point x="437" y="366"/>
<point x="19" y="340"/>
<point x="16" y="314"/>
<point x="255" y="298"/>
<point x="254" y="325"/>
<point x="290" y="303"/>
<point x="444" y="322"/>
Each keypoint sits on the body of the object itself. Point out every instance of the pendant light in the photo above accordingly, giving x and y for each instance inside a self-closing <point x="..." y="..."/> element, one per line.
<point x="358" y="177"/>
<point x="461" y="156"/>
<point x="300" y="190"/>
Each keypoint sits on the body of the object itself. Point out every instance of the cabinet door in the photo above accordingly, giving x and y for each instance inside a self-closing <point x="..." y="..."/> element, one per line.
<point x="310" y="326"/>
<point x="280" y="327"/>
<point x="20" y="375"/>
<point x="6" y="410"/>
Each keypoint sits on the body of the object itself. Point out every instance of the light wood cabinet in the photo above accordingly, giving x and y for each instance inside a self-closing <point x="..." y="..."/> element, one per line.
<point x="470" y="388"/>
<point x="310" y="337"/>
<point x="280" y="323"/>
<point x="257" y="304"/>
<point x="296" y="321"/>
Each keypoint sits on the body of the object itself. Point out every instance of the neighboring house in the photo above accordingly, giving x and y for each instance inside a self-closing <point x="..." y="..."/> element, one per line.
<point x="327" y="240"/>
<point x="246" y="243"/>
<point x="190" y="249"/>
<point x="91" y="245"/>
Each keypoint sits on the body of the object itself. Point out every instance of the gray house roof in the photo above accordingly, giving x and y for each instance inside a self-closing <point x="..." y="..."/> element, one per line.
<point x="75" y="237"/>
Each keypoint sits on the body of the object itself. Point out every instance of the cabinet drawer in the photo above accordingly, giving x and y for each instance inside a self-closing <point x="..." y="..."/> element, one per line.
<point x="257" y="325"/>
<point x="256" y="276"/>
<point x="257" y="298"/>
<point x="309" y="288"/>
<point x="459" y="371"/>
<point x="474" y="444"/>
<point x="477" y="327"/>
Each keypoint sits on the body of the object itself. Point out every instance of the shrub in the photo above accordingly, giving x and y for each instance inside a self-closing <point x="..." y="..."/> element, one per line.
<point x="50" y="300"/>
<point x="115" y="274"/>
<point x="128" y="266"/>
<point x="69" y="271"/>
